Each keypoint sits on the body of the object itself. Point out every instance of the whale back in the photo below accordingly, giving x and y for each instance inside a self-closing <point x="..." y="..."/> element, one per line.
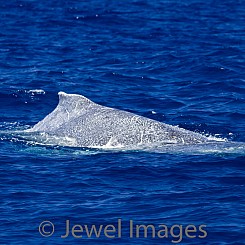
<point x="92" y="125"/>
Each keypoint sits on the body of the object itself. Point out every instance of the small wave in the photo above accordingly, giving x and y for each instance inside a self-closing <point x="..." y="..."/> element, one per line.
<point x="30" y="92"/>
<point x="4" y="126"/>
<point x="35" y="91"/>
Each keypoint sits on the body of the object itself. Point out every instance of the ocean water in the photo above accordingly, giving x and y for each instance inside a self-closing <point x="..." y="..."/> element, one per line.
<point x="178" y="62"/>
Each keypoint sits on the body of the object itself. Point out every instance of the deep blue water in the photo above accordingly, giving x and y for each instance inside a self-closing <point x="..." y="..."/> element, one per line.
<point x="179" y="62"/>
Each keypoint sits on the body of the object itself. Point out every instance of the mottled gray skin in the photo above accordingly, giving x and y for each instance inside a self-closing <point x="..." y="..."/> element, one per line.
<point x="88" y="124"/>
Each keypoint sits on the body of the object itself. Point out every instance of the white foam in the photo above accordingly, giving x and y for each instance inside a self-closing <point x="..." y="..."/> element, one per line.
<point x="217" y="139"/>
<point x="36" y="91"/>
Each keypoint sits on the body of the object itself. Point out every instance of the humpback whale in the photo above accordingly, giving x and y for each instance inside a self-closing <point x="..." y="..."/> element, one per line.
<point x="83" y="123"/>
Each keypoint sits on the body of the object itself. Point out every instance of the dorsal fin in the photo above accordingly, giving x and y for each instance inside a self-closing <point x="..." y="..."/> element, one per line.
<point x="70" y="105"/>
<point x="72" y="98"/>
